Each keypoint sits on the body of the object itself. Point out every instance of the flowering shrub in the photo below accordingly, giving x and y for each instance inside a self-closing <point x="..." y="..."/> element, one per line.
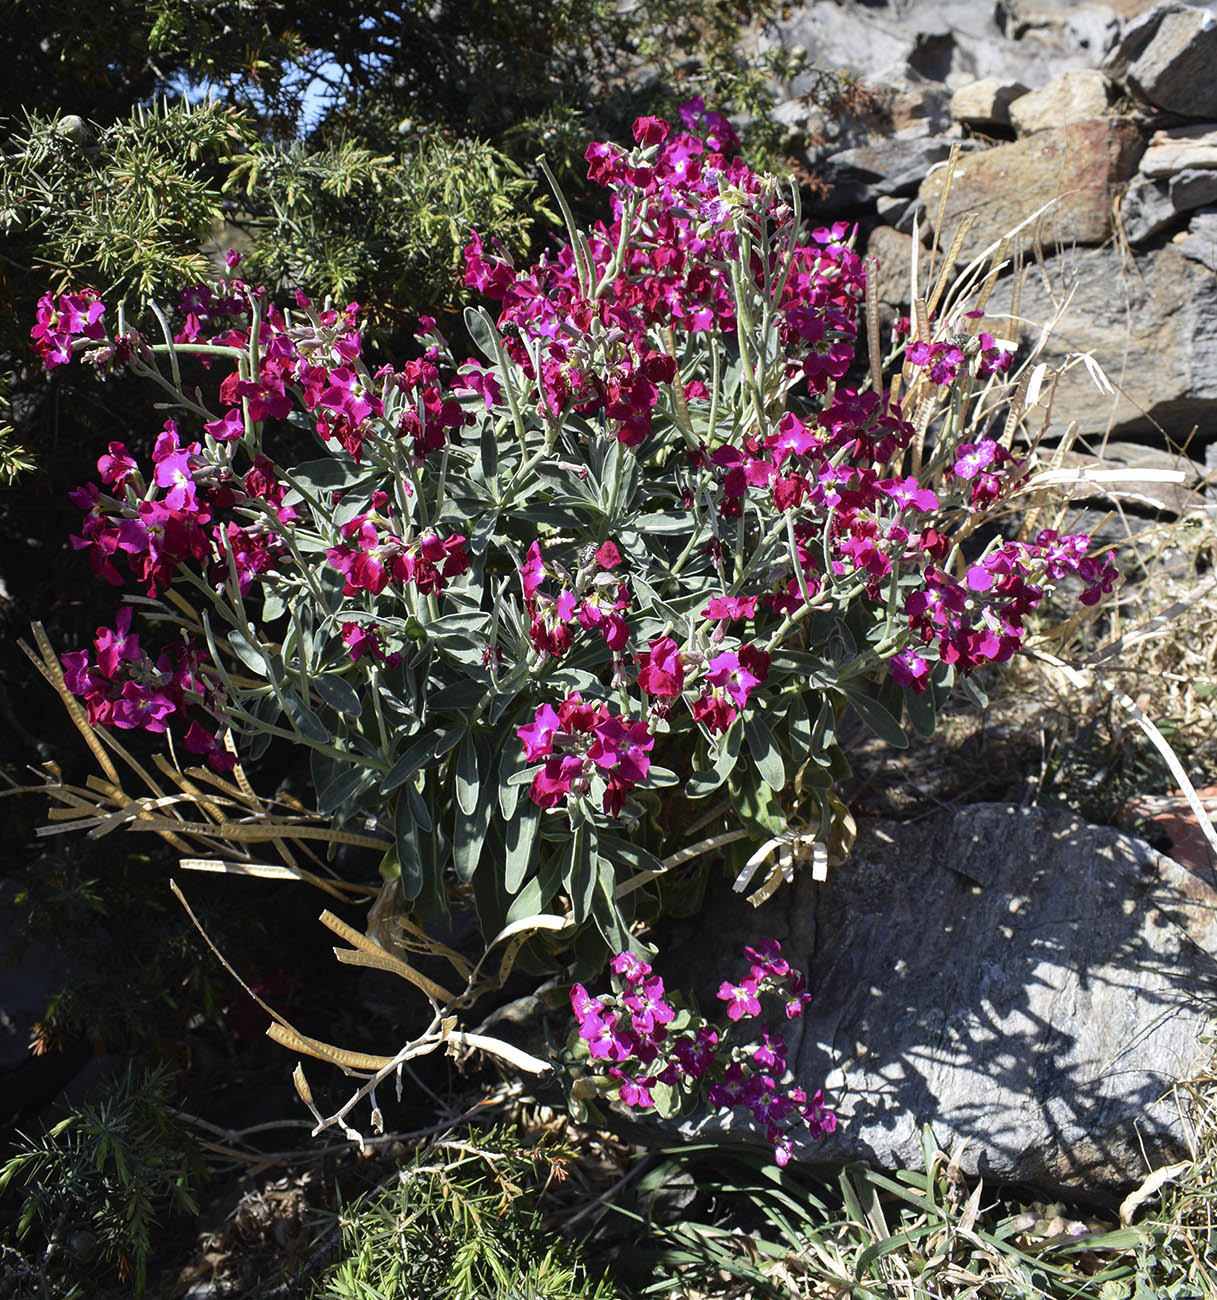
<point x="656" y="539"/>
<point x="655" y="1056"/>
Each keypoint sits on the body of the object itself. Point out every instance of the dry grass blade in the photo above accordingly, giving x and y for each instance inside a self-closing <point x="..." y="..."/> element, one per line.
<point x="369" y="953"/>
<point x="341" y="890"/>
<point x="1157" y="739"/>
<point x="1149" y="1187"/>
<point x="47" y="664"/>
<point x="284" y="1034"/>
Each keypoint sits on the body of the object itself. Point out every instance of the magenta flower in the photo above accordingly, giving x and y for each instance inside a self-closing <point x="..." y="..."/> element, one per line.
<point x="647" y="1007"/>
<point x="971" y="458"/>
<point x="622" y="750"/>
<point x="728" y="674"/>
<point x="714" y="711"/>
<point x="228" y="428"/>
<point x="740" y="998"/>
<point x="538" y="735"/>
<point x="910" y="669"/>
<point x="661" y="671"/>
<point x="633" y="1092"/>
<point x="583" y="1004"/>
<point x="532" y="571"/>
<point x="607" y="555"/>
<point x="116" y="466"/>
<point x="650" y="130"/>
<point x="604" y="1042"/>
<point x="730" y="607"/>
<point x="553" y="782"/>
<point x="632" y="969"/>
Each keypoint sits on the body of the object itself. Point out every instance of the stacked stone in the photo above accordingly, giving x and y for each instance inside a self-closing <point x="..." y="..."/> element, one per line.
<point x="1104" y="115"/>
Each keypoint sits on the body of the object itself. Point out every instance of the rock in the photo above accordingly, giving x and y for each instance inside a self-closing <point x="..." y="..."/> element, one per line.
<point x="1020" y="981"/>
<point x="950" y="41"/>
<point x="1147" y="494"/>
<point x="890" y="209"/>
<point x="1145" y="209"/>
<point x="1151" y="327"/>
<point x="914" y="212"/>
<point x="1075" y="95"/>
<point x="1167" y="59"/>
<point x="986" y="103"/>
<point x="1181" y="149"/>
<point x="1149" y="206"/>
<point x="890" y="165"/>
<point x="1055" y="27"/>
<point x="1081" y="166"/>
<point x="911" y="100"/>
<point x="1193" y="189"/>
<point x="1200" y="242"/>
<point x="894" y="251"/>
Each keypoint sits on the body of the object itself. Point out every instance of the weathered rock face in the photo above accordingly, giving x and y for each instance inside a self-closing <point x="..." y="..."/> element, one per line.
<point x="986" y="103"/>
<point x="1200" y="242"/>
<point x="1150" y="323"/>
<point x="1020" y="981"/>
<point x="1150" y="206"/>
<point x="1076" y="95"/>
<point x="1181" y="147"/>
<point x="1167" y="59"/>
<point x="1083" y="166"/>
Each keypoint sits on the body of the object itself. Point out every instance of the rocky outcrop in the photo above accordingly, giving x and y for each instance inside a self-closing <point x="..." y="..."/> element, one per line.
<point x="1105" y="112"/>
<point x="1167" y="57"/>
<point x="1020" y="981"/>
<point x="1150" y="320"/>
<point x="1076" y="95"/>
<point x="1078" y="170"/>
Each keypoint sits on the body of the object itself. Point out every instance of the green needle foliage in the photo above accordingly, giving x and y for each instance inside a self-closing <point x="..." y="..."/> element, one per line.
<point x="123" y="208"/>
<point x="96" y="1184"/>
<point x="461" y="1223"/>
<point x="381" y="227"/>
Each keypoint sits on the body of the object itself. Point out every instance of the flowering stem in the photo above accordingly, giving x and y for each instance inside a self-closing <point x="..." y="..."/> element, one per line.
<point x="578" y="243"/>
<point x="145" y="371"/>
<point x="154" y="308"/>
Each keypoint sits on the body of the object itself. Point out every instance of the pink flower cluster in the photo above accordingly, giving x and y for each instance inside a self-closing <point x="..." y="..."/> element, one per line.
<point x="691" y="207"/>
<point x="731" y="677"/>
<point x="981" y="619"/>
<point x="579" y="740"/>
<point x="370" y="560"/>
<point x="57" y="323"/>
<point x="320" y="364"/>
<point x="635" y="1032"/>
<point x="158" y="525"/>
<point x="944" y="358"/>
<point x="123" y="687"/>
<point x="592" y="598"/>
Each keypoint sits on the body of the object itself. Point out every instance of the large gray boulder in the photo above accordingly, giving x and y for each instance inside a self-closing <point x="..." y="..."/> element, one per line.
<point x="1166" y="57"/>
<point x="1149" y="322"/>
<point x="1078" y="169"/>
<point x="1028" y="985"/>
<point x="950" y="41"/>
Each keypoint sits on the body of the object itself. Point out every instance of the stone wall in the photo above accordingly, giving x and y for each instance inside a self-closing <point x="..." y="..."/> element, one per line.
<point x="1105" y="112"/>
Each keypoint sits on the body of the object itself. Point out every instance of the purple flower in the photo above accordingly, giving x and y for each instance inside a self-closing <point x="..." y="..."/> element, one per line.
<point x="971" y="458"/>
<point x="740" y="998"/>
<point x="910" y="669"/>
<point x="629" y="967"/>
<point x="647" y="1007"/>
<point x="538" y="736"/>
<point x="633" y="1092"/>
<point x="728" y="674"/>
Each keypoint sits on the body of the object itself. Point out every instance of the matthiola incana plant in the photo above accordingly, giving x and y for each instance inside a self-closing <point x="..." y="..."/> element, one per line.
<point x="545" y="617"/>
<point x="638" y="1045"/>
